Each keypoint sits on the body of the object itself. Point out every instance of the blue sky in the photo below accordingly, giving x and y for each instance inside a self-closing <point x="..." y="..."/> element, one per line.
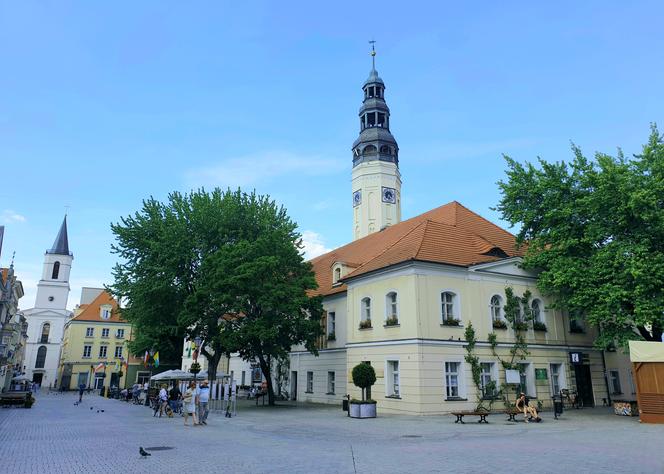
<point x="105" y="103"/>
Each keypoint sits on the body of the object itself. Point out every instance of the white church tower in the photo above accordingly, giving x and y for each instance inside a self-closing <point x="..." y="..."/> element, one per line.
<point x="46" y="321"/>
<point x="376" y="178"/>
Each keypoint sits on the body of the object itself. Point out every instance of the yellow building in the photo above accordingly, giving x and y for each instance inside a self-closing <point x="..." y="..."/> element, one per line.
<point x="95" y="345"/>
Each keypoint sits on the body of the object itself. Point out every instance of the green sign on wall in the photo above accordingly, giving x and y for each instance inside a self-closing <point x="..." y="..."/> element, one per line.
<point x="540" y="374"/>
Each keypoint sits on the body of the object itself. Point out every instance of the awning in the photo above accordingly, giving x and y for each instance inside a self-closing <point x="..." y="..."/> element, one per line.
<point x="642" y="351"/>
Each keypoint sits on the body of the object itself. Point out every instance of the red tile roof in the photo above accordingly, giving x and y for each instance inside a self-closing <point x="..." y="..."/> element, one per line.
<point x="92" y="311"/>
<point x="450" y="234"/>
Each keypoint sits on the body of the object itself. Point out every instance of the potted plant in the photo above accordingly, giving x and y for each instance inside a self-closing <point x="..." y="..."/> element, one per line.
<point x="195" y="368"/>
<point x="499" y="324"/>
<point x="364" y="376"/>
<point x="451" y="322"/>
<point x="392" y="321"/>
<point x="539" y="326"/>
<point x="366" y="324"/>
<point x="520" y="326"/>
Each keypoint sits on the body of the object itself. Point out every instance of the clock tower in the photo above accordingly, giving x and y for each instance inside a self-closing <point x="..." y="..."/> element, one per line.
<point x="376" y="178"/>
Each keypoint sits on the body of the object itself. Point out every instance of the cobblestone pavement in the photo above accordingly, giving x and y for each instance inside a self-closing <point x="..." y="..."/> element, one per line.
<point x="55" y="436"/>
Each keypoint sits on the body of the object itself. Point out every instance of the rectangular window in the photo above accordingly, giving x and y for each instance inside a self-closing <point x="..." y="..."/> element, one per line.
<point x="118" y="352"/>
<point x="631" y="382"/>
<point x="89" y="332"/>
<point x="486" y="379"/>
<point x="330" y="383"/>
<point x="452" y="379"/>
<point x="120" y="334"/>
<point x="142" y="377"/>
<point x="244" y="378"/>
<point x="310" y="382"/>
<point x="526" y="385"/>
<point x="87" y="351"/>
<point x="331" y="323"/>
<point x="102" y="351"/>
<point x="614" y="379"/>
<point x="555" y="379"/>
<point x="104" y="332"/>
<point x="393" y="389"/>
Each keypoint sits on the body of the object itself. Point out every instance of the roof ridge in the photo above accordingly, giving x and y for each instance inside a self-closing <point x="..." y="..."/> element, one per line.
<point x="485" y="220"/>
<point x="389" y="247"/>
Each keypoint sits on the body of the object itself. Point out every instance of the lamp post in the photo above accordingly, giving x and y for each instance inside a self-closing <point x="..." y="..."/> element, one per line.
<point x="92" y="371"/>
<point x="198" y="341"/>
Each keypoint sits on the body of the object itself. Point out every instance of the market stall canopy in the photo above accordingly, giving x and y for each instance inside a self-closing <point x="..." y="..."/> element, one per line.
<point x="21" y="378"/>
<point x="642" y="351"/>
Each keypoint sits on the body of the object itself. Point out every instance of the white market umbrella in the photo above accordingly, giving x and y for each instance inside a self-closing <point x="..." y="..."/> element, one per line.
<point x="21" y="378"/>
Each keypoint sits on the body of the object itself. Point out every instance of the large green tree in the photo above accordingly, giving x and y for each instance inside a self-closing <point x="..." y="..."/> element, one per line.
<point x="595" y="230"/>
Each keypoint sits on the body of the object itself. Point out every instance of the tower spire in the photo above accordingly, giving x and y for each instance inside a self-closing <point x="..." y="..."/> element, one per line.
<point x="373" y="54"/>
<point x="61" y="243"/>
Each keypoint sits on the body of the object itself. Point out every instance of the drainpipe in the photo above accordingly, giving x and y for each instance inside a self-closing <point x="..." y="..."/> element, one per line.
<point x="606" y="379"/>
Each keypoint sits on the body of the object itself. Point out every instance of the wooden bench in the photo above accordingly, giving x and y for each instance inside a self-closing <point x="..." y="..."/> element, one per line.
<point x="512" y="412"/>
<point x="460" y="414"/>
<point x="14" y="398"/>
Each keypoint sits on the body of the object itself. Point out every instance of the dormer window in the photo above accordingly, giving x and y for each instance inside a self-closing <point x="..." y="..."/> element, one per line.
<point x="105" y="311"/>
<point x="337" y="275"/>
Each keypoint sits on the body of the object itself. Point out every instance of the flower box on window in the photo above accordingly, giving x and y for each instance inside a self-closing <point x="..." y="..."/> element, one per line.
<point x="499" y="324"/>
<point x="331" y="337"/>
<point x="392" y="321"/>
<point x="451" y="322"/>
<point x="366" y="324"/>
<point x="539" y="326"/>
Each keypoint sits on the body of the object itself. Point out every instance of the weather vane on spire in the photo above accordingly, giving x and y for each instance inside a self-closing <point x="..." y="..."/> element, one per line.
<point x="373" y="54"/>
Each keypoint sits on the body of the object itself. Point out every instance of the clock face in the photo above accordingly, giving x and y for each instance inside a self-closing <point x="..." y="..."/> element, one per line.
<point x="357" y="198"/>
<point x="389" y="195"/>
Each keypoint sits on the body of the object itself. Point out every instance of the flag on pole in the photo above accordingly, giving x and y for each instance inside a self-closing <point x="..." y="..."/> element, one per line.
<point x="101" y="366"/>
<point x="126" y="364"/>
<point x="146" y="359"/>
<point x="117" y="366"/>
<point x="156" y="359"/>
<point x="2" y="234"/>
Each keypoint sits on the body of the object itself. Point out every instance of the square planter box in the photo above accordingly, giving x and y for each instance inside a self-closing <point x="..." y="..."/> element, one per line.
<point x="625" y="408"/>
<point x="362" y="410"/>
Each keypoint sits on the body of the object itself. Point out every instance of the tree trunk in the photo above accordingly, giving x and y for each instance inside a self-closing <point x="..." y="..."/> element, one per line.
<point x="647" y="335"/>
<point x="213" y="361"/>
<point x="265" y="367"/>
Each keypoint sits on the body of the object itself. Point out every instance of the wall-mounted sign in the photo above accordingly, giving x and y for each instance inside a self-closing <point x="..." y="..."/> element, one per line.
<point x="576" y="358"/>
<point x="512" y="376"/>
<point x="540" y="374"/>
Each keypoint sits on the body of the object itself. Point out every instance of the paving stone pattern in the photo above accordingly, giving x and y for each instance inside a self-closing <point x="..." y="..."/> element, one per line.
<point x="55" y="436"/>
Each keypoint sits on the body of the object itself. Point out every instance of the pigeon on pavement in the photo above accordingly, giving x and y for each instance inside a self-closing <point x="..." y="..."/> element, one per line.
<point x="143" y="452"/>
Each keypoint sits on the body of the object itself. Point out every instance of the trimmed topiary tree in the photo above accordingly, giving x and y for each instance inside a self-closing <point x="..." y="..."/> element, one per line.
<point x="364" y="376"/>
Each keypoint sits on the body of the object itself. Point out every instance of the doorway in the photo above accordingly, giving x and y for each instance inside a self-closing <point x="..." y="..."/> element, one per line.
<point x="37" y="378"/>
<point x="293" y="385"/>
<point x="82" y="379"/>
<point x="584" y="385"/>
<point x="99" y="382"/>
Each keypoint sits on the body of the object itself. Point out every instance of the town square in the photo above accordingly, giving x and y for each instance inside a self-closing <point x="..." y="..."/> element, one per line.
<point x="423" y="237"/>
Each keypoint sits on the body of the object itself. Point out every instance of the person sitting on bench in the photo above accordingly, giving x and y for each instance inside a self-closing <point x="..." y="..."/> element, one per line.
<point x="529" y="413"/>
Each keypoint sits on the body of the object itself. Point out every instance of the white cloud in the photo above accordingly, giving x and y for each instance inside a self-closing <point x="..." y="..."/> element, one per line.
<point x="313" y="244"/>
<point x="10" y="217"/>
<point x="250" y="170"/>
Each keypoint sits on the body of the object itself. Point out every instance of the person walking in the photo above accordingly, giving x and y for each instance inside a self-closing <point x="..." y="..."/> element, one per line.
<point x="189" y="400"/>
<point x="203" y="396"/>
<point x="81" y="389"/>
<point x="162" y="400"/>
<point x="174" y="398"/>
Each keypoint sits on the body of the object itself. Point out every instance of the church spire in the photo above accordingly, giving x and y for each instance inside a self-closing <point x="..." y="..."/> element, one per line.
<point x="61" y="244"/>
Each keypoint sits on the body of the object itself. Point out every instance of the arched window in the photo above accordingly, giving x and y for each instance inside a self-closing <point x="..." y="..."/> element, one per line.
<point x="448" y="307"/>
<point x="385" y="150"/>
<point x="369" y="149"/>
<point x="536" y="308"/>
<point x="46" y="328"/>
<point x="41" y="358"/>
<point x="366" y="309"/>
<point x="337" y="275"/>
<point x="56" y="271"/>
<point x="496" y="308"/>
<point x="391" y="308"/>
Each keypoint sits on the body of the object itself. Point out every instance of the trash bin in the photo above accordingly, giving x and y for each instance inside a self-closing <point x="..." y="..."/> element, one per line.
<point x="557" y="406"/>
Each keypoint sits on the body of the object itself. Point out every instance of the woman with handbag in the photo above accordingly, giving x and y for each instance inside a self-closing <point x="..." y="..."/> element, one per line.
<point x="189" y="400"/>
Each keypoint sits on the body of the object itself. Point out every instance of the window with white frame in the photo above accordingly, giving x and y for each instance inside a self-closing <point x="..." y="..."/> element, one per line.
<point x="102" y="352"/>
<point x="496" y="307"/>
<point x="105" y="332"/>
<point x="536" y="308"/>
<point x="392" y="379"/>
<point x="142" y="377"/>
<point x="118" y="352"/>
<point x="331" y="323"/>
<point x="310" y="382"/>
<point x="556" y="378"/>
<point x="87" y="352"/>
<point x="448" y="304"/>
<point x="337" y="275"/>
<point x="365" y="308"/>
<point x="452" y="379"/>
<point x="330" y="382"/>
<point x="120" y="333"/>
<point x="391" y="307"/>
<point x="526" y="380"/>
<point x="486" y="379"/>
<point x="89" y="332"/>
<point x="105" y="311"/>
<point x="614" y="380"/>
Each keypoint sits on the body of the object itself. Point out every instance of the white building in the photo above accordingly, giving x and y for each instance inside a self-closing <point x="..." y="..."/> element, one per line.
<point x="46" y="321"/>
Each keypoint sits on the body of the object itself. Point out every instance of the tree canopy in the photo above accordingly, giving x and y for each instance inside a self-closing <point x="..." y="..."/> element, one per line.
<point x="594" y="229"/>
<point x="217" y="266"/>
